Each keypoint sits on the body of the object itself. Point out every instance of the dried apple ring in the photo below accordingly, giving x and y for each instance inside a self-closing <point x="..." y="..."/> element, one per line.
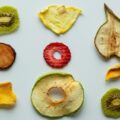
<point x="57" y="95"/>
<point x="7" y="56"/>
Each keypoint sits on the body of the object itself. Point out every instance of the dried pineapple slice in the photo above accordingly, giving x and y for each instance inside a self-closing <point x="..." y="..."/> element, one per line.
<point x="7" y="97"/>
<point x="113" y="72"/>
<point x="59" y="18"/>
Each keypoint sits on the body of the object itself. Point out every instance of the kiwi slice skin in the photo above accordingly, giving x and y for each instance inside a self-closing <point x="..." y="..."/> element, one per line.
<point x="108" y="111"/>
<point x="12" y="27"/>
<point x="54" y="73"/>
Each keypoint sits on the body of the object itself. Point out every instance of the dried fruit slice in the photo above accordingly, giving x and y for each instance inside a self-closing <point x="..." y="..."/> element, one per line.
<point x="9" y="19"/>
<point x="107" y="40"/>
<point x="45" y="95"/>
<point x="7" y="56"/>
<point x="7" y="97"/>
<point x="113" y="72"/>
<point x="110" y="103"/>
<point x="59" y="18"/>
<point x="63" y="51"/>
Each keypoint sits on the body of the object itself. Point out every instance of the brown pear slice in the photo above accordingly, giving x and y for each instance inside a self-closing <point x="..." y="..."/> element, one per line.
<point x="107" y="40"/>
<point x="59" y="18"/>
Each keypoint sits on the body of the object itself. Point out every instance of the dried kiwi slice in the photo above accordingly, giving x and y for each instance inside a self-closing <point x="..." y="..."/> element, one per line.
<point x="110" y="103"/>
<point x="47" y="86"/>
<point x="9" y="19"/>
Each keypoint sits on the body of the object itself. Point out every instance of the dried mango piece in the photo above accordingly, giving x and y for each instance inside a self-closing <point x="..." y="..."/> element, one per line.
<point x="107" y="40"/>
<point x="7" y="97"/>
<point x="113" y="72"/>
<point x="59" y="18"/>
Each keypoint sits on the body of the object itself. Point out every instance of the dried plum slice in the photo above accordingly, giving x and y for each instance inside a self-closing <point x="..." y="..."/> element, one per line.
<point x="7" y="56"/>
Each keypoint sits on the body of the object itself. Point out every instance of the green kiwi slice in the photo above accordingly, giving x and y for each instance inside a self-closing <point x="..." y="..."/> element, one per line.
<point x="9" y="19"/>
<point x="110" y="103"/>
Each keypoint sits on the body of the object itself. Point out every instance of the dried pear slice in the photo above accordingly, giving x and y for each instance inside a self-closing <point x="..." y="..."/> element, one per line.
<point x="113" y="72"/>
<point x="59" y="18"/>
<point x="107" y="40"/>
<point x="71" y="92"/>
<point x="7" y="97"/>
<point x="9" y="19"/>
<point x="110" y="103"/>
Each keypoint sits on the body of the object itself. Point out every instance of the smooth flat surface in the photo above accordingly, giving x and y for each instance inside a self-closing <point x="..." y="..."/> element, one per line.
<point x="86" y="64"/>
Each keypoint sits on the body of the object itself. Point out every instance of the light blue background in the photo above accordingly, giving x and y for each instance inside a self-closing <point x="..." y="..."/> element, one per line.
<point x="86" y="64"/>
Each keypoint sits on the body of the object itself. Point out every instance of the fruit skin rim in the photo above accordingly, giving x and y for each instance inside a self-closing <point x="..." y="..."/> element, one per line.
<point x="106" y="8"/>
<point x="14" y="53"/>
<point x="102" y="100"/>
<point x="59" y="73"/>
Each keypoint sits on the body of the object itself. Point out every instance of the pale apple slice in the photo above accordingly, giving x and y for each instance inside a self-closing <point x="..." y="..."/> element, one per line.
<point x="44" y="93"/>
